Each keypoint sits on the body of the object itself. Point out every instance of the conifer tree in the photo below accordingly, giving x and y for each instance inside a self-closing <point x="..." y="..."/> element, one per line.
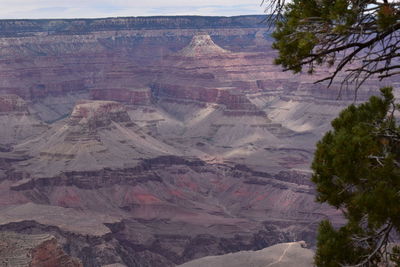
<point x="356" y="168"/>
<point x="338" y="33"/>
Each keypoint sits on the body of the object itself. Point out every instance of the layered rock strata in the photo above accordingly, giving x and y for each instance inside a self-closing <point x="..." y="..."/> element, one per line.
<point x="98" y="134"/>
<point x="168" y="139"/>
<point x="95" y="115"/>
<point x="214" y="75"/>
<point x="20" y="250"/>
<point x="47" y="61"/>
<point x="12" y="104"/>
<point x="141" y="96"/>
<point x="202" y="44"/>
<point x="16" y="121"/>
<point x="208" y="208"/>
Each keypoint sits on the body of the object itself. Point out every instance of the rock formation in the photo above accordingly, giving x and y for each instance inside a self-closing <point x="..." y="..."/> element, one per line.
<point x="12" y="104"/>
<point x="167" y="139"/>
<point x="206" y="73"/>
<point x="20" y="250"/>
<point x="284" y="255"/>
<point x="97" y="114"/>
<point x="16" y="122"/>
<point x="134" y="96"/>
<point x="97" y="134"/>
<point x="66" y="219"/>
<point x="202" y="45"/>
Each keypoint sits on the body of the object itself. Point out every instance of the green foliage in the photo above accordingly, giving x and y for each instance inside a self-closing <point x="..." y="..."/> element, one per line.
<point x="313" y="31"/>
<point x="334" y="246"/>
<point x="294" y="40"/>
<point x="387" y="16"/>
<point x="356" y="169"/>
<point x="357" y="164"/>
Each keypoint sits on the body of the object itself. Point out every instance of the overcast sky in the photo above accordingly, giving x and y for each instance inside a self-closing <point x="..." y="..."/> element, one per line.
<point x="11" y="9"/>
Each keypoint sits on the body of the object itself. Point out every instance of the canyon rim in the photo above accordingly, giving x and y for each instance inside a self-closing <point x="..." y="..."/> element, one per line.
<point x="154" y="141"/>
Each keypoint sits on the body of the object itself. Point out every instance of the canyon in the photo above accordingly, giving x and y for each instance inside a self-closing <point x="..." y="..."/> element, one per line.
<point x="155" y="141"/>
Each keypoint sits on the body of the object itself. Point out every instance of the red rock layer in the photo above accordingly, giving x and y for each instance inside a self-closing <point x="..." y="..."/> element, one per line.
<point x="21" y="250"/>
<point x="12" y="103"/>
<point x="49" y="254"/>
<point x="133" y="97"/>
<point x="96" y="114"/>
<point x="232" y="99"/>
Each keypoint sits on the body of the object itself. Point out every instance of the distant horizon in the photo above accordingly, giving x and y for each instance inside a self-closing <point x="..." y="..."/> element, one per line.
<point x="92" y="9"/>
<point x="150" y="16"/>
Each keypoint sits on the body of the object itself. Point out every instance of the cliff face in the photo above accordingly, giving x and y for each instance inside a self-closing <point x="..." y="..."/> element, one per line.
<point x="122" y="59"/>
<point x="201" y="45"/>
<point x="12" y="104"/>
<point x="166" y="138"/>
<point x="203" y="72"/>
<point x="16" y="121"/>
<point x="33" y="250"/>
<point x="96" y="114"/>
<point x="165" y="211"/>
<point x="57" y="59"/>
<point x="135" y="96"/>
<point x="97" y="134"/>
<point x="19" y="28"/>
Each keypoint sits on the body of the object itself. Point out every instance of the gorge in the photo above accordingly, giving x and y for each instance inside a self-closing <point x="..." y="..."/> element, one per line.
<point x="154" y="141"/>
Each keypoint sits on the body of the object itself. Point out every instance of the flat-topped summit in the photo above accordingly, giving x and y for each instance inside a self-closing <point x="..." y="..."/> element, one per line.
<point x="97" y="135"/>
<point x="202" y="45"/>
<point x="95" y="114"/>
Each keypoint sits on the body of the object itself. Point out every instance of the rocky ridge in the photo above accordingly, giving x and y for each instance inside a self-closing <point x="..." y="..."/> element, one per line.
<point x="47" y="62"/>
<point x="283" y="255"/>
<point x="201" y="45"/>
<point x="20" y="250"/>
<point x="97" y="114"/>
<point x="215" y="75"/>
<point x="22" y="28"/>
<point x="98" y="134"/>
<point x="135" y="96"/>
<point x="196" y="201"/>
